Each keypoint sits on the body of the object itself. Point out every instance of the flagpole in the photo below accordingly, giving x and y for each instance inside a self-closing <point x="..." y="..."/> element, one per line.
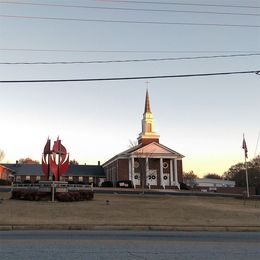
<point x="247" y="186"/>
<point x="244" y="146"/>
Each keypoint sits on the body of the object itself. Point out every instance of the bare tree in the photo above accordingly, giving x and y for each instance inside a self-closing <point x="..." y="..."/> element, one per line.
<point x="2" y="155"/>
<point x="74" y="162"/>
<point x="212" y="176"/>
<point x="189" y="178"/>
<point x="28" y="161"/>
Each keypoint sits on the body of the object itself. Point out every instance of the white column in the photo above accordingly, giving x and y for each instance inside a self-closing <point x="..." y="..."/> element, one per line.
<point x="176" y="172"/>
<point x="171" y="173"/>
<point x="161" y="172"/>
<point x="146" y="169"/>
<point x="129" y="169"/>
<point x="133" y="168"/>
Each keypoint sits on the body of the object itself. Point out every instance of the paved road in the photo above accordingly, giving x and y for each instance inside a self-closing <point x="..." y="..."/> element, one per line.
<point x="127" y="245"/>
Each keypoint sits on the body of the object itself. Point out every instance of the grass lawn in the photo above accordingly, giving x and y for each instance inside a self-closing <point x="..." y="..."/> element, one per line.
<point x="133" y="210"/>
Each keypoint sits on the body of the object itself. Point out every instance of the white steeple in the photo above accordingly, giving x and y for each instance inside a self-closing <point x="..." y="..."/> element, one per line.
<point x="148" y="134"/>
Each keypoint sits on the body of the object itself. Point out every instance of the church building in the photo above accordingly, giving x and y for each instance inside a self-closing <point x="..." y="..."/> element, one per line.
<point x="149" y="164"/>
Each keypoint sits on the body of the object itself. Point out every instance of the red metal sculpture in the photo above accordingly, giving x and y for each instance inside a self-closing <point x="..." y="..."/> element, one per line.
<point x="55" y="161"/>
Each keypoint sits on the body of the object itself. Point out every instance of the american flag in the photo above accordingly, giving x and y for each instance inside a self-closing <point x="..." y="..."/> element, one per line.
<point x="244" y="146"/>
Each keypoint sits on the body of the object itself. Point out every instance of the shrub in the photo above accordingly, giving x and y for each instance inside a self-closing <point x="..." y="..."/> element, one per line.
<point x="86" y="195"/>
<point x="107" y="184"/>
<point x="74" y="196"/>
<point x="19" y="194"/>
<point x="30" y="195"/>
<point x="183" y="186"/>
<point x="5" y="182"/>
<point x="27" y="181"/>
<point x="125" y="184"/>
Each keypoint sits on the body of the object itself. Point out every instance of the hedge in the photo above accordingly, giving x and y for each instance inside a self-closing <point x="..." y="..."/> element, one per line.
<point x="5" y="182"/>
<point x="107" y="184"/>
<point x="45" y="196"/>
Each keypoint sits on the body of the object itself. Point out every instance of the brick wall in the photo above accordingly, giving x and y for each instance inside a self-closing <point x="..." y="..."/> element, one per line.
<point x="123" y="169"/>
<point x="179" y="170"/>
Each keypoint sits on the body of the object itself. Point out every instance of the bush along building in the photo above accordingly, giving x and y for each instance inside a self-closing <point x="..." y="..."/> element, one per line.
<point x="149" y="164"/>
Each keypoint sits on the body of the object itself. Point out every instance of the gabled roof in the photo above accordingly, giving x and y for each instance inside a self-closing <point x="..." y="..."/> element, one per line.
<point x="155" y="148"/>
<point x="85" y="170"/>
<point x="74" y="170"/>
<point x="123" y="154"/>
<point x="24" y="169"/>
<point x="150" y="149"/>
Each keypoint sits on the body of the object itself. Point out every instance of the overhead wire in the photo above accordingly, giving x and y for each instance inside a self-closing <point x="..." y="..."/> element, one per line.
<point x="177" y="3"/>
<point x="126" y="51"/>
<point x="127" y="9"/>
<point x="257" y="72"/>
<point x="128" y="21"/>
<point x="129" y="60"/>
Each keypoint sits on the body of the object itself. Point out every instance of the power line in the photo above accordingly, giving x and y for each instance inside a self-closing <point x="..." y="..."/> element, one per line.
<point x="128" y="9"/>
<point x="179" y="3"/>
<point x="125" y="51"/>
<point x="127" y="21"/>
<point x="128" y="60"/>
<point x="257" y="72"/>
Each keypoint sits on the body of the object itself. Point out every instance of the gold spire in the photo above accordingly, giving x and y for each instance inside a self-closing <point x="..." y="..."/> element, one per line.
<point x="147" y="103"/>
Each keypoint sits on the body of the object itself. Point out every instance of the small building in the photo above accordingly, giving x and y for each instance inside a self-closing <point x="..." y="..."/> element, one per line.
<point x="214" y="185"/>
<point x="5" y="173"/>
<point x="30" y="173"/>
<point x="149" y="164"/>
<point x="86" y="174"/>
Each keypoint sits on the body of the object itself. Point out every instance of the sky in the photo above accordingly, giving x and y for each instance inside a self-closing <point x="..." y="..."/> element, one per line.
<point x="203" y="118"/>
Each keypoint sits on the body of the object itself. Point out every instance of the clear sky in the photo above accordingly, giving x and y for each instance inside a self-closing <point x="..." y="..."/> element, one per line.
<point x="202" y="118"/>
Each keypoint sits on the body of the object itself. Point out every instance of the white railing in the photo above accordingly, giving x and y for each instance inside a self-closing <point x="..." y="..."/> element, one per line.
<point x="47" y="186"/>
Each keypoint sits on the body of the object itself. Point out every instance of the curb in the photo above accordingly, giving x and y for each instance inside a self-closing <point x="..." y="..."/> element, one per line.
<point x="133" y="228"/>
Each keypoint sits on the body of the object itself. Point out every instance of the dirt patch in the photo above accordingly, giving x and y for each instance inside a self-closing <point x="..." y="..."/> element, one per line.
<point x="133" y="210"/>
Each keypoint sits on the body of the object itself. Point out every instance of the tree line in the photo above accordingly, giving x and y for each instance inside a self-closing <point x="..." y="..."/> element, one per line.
<point x="234" y="173"/>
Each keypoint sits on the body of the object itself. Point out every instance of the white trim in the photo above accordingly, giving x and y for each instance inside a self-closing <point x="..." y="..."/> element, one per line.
<point x="146" y="170"/>
<point x="161" y="172"/>
<point x="156" y="156"/>
<point x="129" y="168"/>
<point x="118" y="158"/>
<point x="132" y="168"/>
<point x="176" y="172"/>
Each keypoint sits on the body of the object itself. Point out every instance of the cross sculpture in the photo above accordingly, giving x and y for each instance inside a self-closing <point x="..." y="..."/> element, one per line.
<point x="55" y="161"/>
